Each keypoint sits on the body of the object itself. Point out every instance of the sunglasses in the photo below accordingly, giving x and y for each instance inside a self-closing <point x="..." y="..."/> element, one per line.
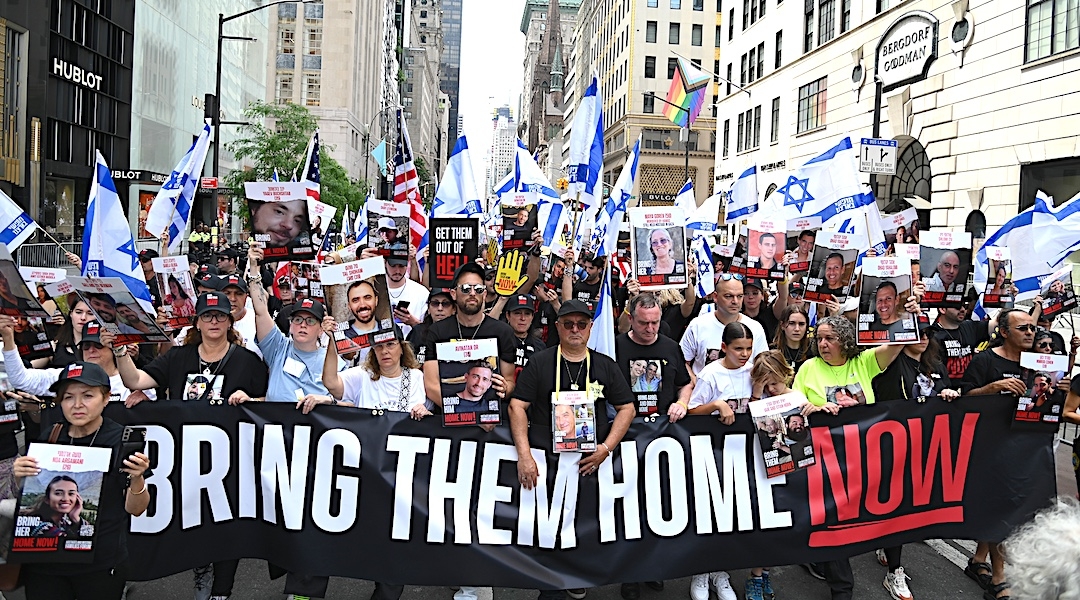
<point x="472" y="288"/>
<point x="575" y="325"/>
<point x="94" y="345"/>
<point x="730" y="276"/>
<point x="309" y="321"/>
<point x="1045" y="345"/>
<point x="1025" y="328"/>
<point x="213" y="317"/>
<point x="661" y="242"/>
<point x="440" y="303"/>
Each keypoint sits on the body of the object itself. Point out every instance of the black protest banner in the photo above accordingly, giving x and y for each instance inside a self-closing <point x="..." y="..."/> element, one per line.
<point x="456" y="241"/>
<point x="344" y="492"/>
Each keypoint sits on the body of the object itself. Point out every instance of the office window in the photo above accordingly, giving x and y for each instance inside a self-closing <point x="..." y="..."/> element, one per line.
<point x="313" y="33"/>
<point x="672" y="64"/>
<point x="719" y="37"/>
<point x="423" y="14"/>
<point x="676" y="4"/>
<point x="812" y="98"/>
<point x="731" y="24"/>
<point x="313" y="88"/>
<point x="745" y="14"/>
<point x="779" y="50"/>
<point x="751" y="65"/>
<point x="650" y="32"/>
<point x="753" y="11"/>
<point x="742" y="70"/>
<point x="757" y="126"/>
<point x="284" y="88"/>
<point x="695" y="35"/>
<point x="652" y="3"/>
<point x="845" y="15"/>
<point x="715" y="99"/>
<point x="729" y="79"/>
<point x="774" y="131"/>
<point x="761" y="60"/>
<point x="286" y="41"/>
<point x="650" y="67"/>
<point x="648" y="106"/>
<point x="826" y="21"/>
<point x="1053" y="26"/>
<point x="808" y="26"/>
<point x="883" y="5"/>
<point x="673" y="33"/>
<point x="727" y="136"/>
<point x="739" y="133"/>
<point x="699" y="5"/>
<point x="761" y="8"/>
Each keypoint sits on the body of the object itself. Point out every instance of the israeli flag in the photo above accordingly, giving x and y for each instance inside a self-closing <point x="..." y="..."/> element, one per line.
<point x="346" y="223"/>
<point x="587" y="147"/>
<point x="826" y="185"/>
<point x="602" y="337"/>
<point x="15" y="225"/>
<point x="742" y="197"/>
<point x="685" y="199"/>
<point x="457" y="193"/>
<point x="172" y="206"/>
<point x="108" y="249"/>
<point x="526" y="176"/>
<point x="606" y="232"/>
<point x="704" y="262"/>
<point x="360" y="226"/>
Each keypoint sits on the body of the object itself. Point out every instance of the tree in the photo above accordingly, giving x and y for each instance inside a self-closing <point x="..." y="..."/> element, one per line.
<point x="426" y="181"/>
<point x="284" y="148"/>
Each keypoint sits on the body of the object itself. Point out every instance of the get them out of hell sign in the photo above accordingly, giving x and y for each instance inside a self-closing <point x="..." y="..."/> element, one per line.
<point x="907" y="49"/>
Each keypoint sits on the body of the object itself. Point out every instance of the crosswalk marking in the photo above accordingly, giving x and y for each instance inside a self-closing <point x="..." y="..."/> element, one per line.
<point x="948" y="549"/>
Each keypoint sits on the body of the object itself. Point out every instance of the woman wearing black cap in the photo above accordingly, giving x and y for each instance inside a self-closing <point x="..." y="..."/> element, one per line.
<point x="83" y="390"/>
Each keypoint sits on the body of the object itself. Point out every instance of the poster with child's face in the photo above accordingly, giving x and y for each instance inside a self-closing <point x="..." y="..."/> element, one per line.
<point x="388" y="228"/>
<point x="1057" y="293"/>
<point x="467" y="371"/>
<point x="279" y="219"/>
<point x="886" y="285"/>
<point x="765" y="254"/>
<point x="944" y="264"/>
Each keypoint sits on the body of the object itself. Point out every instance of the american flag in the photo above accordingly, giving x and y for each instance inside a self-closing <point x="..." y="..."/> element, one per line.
<point x="311" y="168"/>
<point x="407" y="183"/>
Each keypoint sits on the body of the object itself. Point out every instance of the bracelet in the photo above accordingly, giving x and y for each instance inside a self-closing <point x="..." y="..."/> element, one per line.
<point x="120" y="351"/>
<point x="254" y="278"/>
<point x="685" y="405"/>
<point x="606" y="448"/>
<point x="755" y="397"/>
<point x="142" y="491"/>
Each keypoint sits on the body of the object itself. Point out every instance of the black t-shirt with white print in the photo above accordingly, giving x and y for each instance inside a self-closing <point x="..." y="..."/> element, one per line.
<point x="654" y="372"/>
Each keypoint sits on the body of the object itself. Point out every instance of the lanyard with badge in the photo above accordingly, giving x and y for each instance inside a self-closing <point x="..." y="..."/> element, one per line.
<point x="573" y="413"/>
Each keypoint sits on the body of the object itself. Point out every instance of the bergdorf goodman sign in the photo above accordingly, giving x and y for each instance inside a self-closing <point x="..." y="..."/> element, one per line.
<point x="907" y="49"/>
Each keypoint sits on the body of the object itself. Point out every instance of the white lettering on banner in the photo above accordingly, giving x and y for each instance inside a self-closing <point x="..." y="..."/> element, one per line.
<point x="563" y="505"/>
<point x="768" y="518"/>
<point x="193" y="482"/>
<point x="275" y="473"/>
<point x="407" y="448"/>
<point x="76" y="74"/>
<point x="347" y="486"/>
<point x="441" y="489"/>
<point x="246" y="468"/>
<point x="491" y="493"/>
<point x="155" y="521"/>
<point x="654" y="501"/>
<point x="716" y="501"/>
<point x="627" y="491"/>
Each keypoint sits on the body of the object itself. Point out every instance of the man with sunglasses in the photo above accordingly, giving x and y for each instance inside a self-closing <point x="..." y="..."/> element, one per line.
<point x="577" y="369"/>
<point x="998" y="371"/>
<point x="705" y="331"/>
<point x="226" y="261"/>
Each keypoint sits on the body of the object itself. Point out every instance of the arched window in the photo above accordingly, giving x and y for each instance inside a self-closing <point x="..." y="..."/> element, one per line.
<point x="912" y="179"/>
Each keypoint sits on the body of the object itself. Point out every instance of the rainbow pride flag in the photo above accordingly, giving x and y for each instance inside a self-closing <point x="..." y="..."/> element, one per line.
<point x="688" y="91"/>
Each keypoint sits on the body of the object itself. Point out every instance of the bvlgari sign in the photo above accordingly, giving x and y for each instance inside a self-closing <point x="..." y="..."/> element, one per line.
<point x="907" y="49"/>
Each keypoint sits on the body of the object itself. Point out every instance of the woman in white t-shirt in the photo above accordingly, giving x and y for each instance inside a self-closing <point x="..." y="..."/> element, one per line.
<point x="723" y="387"/>
<point x="390" y="379"/>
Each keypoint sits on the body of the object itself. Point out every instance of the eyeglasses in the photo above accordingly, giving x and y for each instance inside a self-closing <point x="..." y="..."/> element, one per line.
<point x="1045" y="345"/>
<point x="574" y="325"/>
<point x="730" y="276"/>
<point x="309" y="321"/>
<point x="1025" y="328"/>
<point x="661" y="242"/>
<point x="472" y="288"/>
<point x="94" y="345"/>
<point x="213" y="317"/>
<point x="440" y="303"/>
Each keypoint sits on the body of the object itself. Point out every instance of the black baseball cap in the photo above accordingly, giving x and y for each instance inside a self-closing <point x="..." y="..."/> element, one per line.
<point x="396" y="261"/>
<point x="572" y="307"/>
<point x="520" y="301"/>
<point x="211" y="302"/>
<point x="755" y="282"/>
<point x="207" y="280"/>
<point x="210" y="269"/>
<point x="439" y="291"/>
<point x="147" y="254"/>
<point x="81" y="372"/>
<point x="232" y="280"/>
<point x="308" y="305"/>
<point x="228" y="253"/>
<point x="469" y="267"/>
<point x="91" y="332"/>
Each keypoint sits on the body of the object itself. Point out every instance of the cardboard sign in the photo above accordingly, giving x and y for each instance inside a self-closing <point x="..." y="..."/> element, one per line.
<point x="177" y="290"/>
<point x="1041" y="407"/>
<point x="454" y="242"/>
<point x="999" y="288"/>
<point x="886" y="285"/>
<point x="945" y="264"/>
<point x="466" y="370"/>
<point x="117" y="310"/>
<point x="519" y="219"/>
<point x="658" y="247"/>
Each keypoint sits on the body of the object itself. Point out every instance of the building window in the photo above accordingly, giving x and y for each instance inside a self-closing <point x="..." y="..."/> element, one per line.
<point x="652" y="3"/>
<point x="826" y="21"/>
<point x="729" y="79"/>
<point x="777" y="58"/>
<point x="650" y="67"/>
<point x="727" y="136"/>
<point x="751" y="61"/>
<point x="1053" y="26"/>
<point x="845" y="15"/>
<point x="761" y="8"/>
<point x="742" y="70"/>
<point x="731" y="25"/>
<point x="699" y="5"/>
<point x="753" y="11"/>
<point x="286" y="41"/>
<point x="284" y="88"/>
<point x="812" y="105"/>
<point x="774" y="131"/>
<point x="672" y="64"/>
<point x="650" y="32"/>
<point x="739" y="133"/>
<point x="715" y="99"/>
<point x="883" y="5"/>
<point x="745" y="14"/>
<point x="423" y="14"/>
<point x="695" y="35"/>
<point x="313" y="89"/>
<point x="757" y="126"/>
<point x="761" y="60"/>
<point x="808" y="26"/>
<point x="719" y="37"/>
<point x="313" y="32"/>
<point x="649" y="102"/>
<point x="676" y="4"/>
<point x="673" y="33"/>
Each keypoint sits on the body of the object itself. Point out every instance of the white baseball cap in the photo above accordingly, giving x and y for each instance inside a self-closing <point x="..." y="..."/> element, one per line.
<point x="387" y="223"/>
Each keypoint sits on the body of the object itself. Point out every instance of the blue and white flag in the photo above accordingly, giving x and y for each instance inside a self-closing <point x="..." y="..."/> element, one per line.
<point x="704" y="218"/>
<point x="457" y="193"/>
<point x="360" y="226"/>
<point x="1026" y="231"/>
<point x="743" y="196"/>
<point x="826" y="185"/>
<point x="587" y="147"/>
<point x="526" y="176"/>
<point x="108" y="249"/>
<point x="685" y="199"/>
<point x="15" y="225"/>
<point x="172" y="206"/>
<point x="602" y="337"/>
<point x="606" y="232"/>
<point x="346" y="224"/>
<point x="703" y="260"/>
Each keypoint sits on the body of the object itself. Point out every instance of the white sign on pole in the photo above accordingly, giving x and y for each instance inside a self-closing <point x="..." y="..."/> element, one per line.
<point x="878" y="156"/>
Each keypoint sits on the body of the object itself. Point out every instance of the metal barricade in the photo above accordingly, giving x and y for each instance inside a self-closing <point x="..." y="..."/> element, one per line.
<point x="47" y="255"/>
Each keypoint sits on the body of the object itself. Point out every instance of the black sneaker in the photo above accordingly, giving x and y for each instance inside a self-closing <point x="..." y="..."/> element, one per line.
<point x="656" y="586"/>
<point x="630" y="591"/>
<point x="815" y="570"/>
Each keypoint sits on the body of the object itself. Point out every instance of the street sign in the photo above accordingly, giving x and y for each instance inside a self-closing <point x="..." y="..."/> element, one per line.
<point x="208" y="183"/>
<point x="877" y="156"/>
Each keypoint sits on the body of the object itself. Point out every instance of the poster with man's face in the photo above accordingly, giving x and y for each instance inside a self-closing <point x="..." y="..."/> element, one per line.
<point x="1057" y="292"/>
<point x="279" y="219"/>
<point x="944" y="264"/>
<point x="766" y="249"/>
<point x="832" y="266"/>
<point x="117" y="310"/>
<point x="519" y="219"/>
<point x="658" y="247"/>
<point x="15" y="296"/>
<point x="783" y="433"/>
<point x="1040" y="408"/>
<point x="467" y="371"/>
<point x="801" y="235"/>
<point x="999" y="288"/>
<point x="886" y="285"/>
<point x="365" y="318"/>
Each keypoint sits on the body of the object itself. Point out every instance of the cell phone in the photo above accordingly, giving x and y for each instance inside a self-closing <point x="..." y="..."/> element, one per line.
<point x="133" y="440"/>
<point x="403" y="305"/>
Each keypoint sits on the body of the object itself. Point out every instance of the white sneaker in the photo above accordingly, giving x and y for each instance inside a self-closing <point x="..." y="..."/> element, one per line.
<point x="699" y="587"/>
<point x="721" y="582"/>
<point x="880" y="553"/>
<point x="896" y="583"/>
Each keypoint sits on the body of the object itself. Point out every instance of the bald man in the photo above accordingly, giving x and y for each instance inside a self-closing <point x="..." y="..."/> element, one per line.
<point x="948" y="269"/>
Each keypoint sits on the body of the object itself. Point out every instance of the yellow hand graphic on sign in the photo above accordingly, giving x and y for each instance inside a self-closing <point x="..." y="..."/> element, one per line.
<point x="510" y="276"/>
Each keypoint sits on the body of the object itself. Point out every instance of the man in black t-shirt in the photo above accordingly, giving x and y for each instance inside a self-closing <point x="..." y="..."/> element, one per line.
<point x="652" y="363"/>
<point x="588" y="291"/>
<point x="998" y="371"/>
<point x="470" y="323"/>
<point x="959" y="338"/>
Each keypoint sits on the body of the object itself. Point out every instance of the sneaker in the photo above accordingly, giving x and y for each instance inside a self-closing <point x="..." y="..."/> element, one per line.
<point x="656" y="586"/>
<point x="880" y="553"/>
<point x="576" y="593"/>
<point x="722" y="583"/>
<point x="896" y="583"/>
<point x="815" y="570"/>
<point x="766" y="586"/>
<point x="204" y="578"/>
<point x="295" y="597"/>
<point x="755" y="588"/>
<point x="699" y="587"/>
<point x="630" y="591"/>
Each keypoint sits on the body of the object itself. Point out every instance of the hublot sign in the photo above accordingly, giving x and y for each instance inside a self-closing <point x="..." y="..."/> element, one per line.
<point x="76" y="74"/>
